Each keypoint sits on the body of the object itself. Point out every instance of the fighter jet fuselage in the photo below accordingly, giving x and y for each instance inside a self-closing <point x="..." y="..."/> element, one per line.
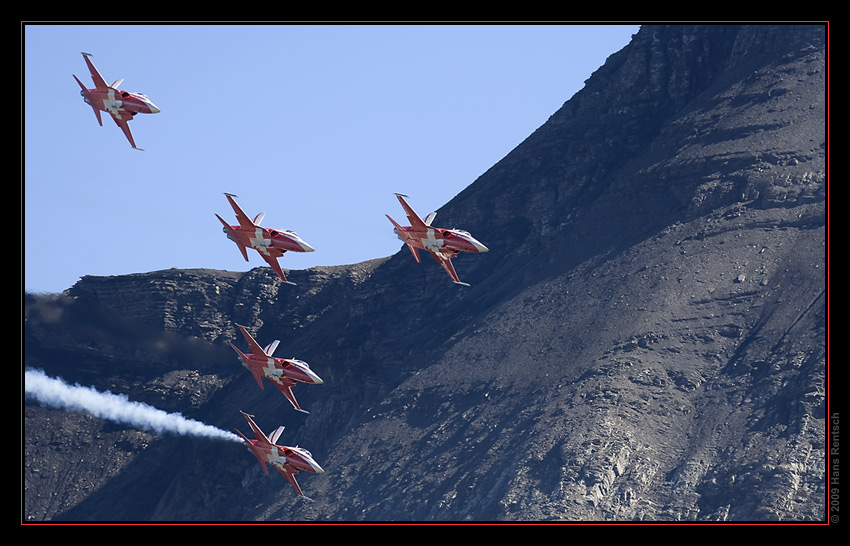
<point x="285" y="459"/>
<point x="121" y="105"/>
<point x="443" y="244"/>
<point x="270" y="243"/>
<point x="285" y="373"/>
<point x="440" y="240"/>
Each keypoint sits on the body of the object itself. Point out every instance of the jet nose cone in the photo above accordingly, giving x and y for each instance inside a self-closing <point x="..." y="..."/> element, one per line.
<point x="304" y="246"/>
<point x="479" y="247"/>
<point x="314" y="378"/>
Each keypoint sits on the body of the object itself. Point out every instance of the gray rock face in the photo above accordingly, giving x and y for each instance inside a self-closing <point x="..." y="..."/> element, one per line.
<point x="645" y="340"/>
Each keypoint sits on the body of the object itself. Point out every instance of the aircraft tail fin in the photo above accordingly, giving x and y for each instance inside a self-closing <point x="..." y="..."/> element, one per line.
<point x="276" y="434"/>
<point x="270" y="348"/>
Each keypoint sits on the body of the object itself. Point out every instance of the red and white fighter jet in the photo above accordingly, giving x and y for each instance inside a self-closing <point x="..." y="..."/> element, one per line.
<point x="443" y="244"/>
<point x="121" y="105"/>
<point x="270" y="243"/>
<point x="287" y="460"/>
<point x="285" y="373"/>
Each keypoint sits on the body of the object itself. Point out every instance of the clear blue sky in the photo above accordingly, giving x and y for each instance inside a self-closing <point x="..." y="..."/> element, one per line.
<point x="315" y="125"/>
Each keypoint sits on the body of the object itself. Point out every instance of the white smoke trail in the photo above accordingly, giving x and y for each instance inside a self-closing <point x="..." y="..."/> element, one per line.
<point x="115" y="407"/>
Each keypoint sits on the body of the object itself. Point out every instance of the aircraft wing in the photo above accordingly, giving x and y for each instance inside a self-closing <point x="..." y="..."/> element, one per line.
<point x="445" y="260"/>
<point x="252" y="343"/>
<point x="99" y="82"/>
<point x="272" y="261"/>
<point x="414" y="218"/>
<point x="290" y="477"/>
<point x="286" y="389"/>
<point x="124" y="124"/>
<point x="243" y="219"/>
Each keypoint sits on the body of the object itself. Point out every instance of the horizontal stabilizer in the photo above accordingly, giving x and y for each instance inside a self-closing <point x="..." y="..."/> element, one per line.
<point x="97" y="115"/>
<point x="414" y="252"/>
<point x="247" y="441"/>
<point x="84" y="88"/>
<point x="398" y="227"/>
<point x="232" y="236"/>
<point x="240" y="353"/>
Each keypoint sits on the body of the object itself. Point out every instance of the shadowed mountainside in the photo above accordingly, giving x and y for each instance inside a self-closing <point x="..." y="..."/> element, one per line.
<point x="645" y="340"/>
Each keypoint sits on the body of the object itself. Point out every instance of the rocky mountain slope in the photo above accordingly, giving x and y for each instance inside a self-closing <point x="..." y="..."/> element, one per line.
<point x="645" y="340"/>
